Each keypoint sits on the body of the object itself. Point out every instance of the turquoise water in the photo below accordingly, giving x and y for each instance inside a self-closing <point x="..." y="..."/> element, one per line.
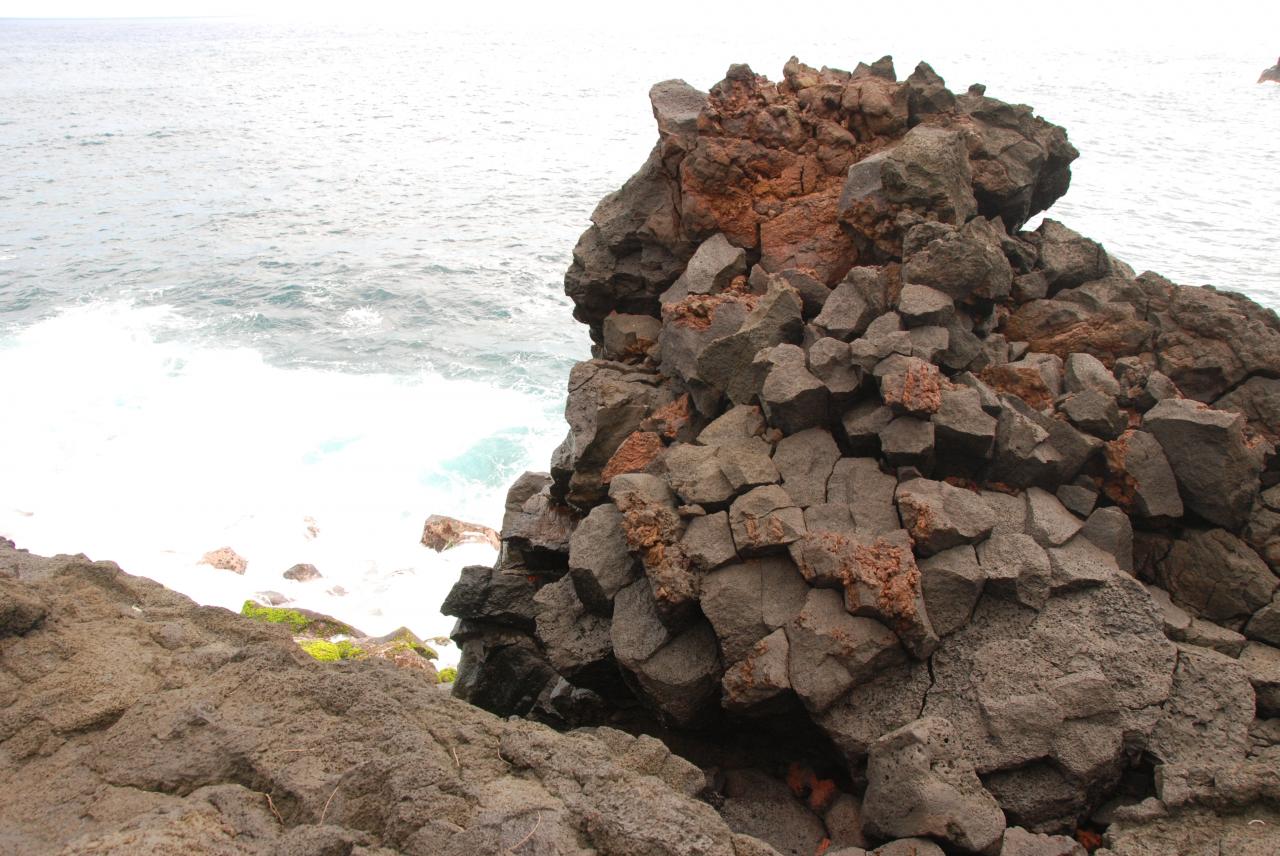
<point x="253" y="274"/>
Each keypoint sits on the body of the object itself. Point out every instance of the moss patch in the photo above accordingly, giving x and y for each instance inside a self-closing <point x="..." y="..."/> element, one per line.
<point x="330" y="652"/>
<point x="275" y="615"/>
<point x="448" y="675"/>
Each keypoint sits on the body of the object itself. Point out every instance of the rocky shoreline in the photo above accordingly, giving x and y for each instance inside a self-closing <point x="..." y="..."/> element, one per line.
<point x="882" y="525"/>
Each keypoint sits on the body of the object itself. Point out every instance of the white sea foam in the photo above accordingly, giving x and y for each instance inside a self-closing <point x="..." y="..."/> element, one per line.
<point x="138" y="448"/>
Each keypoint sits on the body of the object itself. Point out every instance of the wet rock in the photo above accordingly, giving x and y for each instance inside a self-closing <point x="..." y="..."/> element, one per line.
<point x="492" y="594"/>
<point x="939" y="516"/>
<point x="1216" y="467"/>
<point x="1141" y="481"/>
<point x="577" y="642"/>
<point x="920" y="784"/>
<point x="1216" y="575"/>
<point x="765" y="519"/>
<point x="225" y="559"/>
<point x="441" y="533"/>
<point x="832" y="650"/>
<point x="303" y="573"/>
<point x="600" y="562"/>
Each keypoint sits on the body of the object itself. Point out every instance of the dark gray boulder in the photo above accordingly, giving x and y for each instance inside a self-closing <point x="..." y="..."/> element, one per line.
<point x="1216" y="467"/>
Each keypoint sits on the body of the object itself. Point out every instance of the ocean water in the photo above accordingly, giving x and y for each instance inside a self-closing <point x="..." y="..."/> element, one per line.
<point x="259" y="278"/>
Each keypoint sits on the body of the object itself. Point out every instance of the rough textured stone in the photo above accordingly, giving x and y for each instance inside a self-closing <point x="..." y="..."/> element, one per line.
<point x="919" y="784"/>
<point x="805" y="461"/>
<point x="908" y="442"/>
<point x="939" y="516"/>
<point x="961" y="427"/>
<point x="708" y="541"/>
<point x="1216" y="467"/>
<point x="600" y="562"/>
<point x="765" y="519"/>
<point x="1048" y="521"/>
<point x="1216" y="575"/>
<point x="1261" y="664"/>
<point x="868" y="492"/>
<point x="832" y="650"/>
<point x="1209" y="710"/>
<point x="1141" y="480"/>
<point x="952" y="582"/>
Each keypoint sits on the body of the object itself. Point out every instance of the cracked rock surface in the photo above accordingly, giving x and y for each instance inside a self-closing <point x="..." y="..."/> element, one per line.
<point x="1004" y="488"/>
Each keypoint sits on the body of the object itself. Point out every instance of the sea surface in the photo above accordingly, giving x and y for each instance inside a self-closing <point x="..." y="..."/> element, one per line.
<point x="291" y="289"/>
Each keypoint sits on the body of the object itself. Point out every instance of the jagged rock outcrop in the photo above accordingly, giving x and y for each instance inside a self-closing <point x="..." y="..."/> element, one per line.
<point x="923" y="465"/>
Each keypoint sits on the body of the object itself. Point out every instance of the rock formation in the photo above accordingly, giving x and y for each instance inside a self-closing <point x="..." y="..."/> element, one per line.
<point x="1271" y="74"/>
<point x="860" y="469"/>
<point x="134" y="722"/>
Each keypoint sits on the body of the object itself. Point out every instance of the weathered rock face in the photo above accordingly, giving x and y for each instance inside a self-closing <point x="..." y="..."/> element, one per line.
<point x="133" y="721"/>
<point x="921" y="457"/>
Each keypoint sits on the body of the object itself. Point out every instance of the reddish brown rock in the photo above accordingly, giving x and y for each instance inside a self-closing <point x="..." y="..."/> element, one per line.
<point x="441" y="533"/>
<point x="636" y="455"/>
<point x="225" y="559"/>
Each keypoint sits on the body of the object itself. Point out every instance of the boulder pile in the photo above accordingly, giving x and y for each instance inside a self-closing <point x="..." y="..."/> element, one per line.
<point x="856" y="455"/>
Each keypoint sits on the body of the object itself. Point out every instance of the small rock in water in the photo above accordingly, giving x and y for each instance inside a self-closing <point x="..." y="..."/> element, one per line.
<point x="442" y="533"/>
<point x="225" y="559"/>
<point x="302" y="573"/>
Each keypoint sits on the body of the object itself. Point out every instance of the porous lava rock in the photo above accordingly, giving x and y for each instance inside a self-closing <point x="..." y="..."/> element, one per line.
<point x="978" y="510"/>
